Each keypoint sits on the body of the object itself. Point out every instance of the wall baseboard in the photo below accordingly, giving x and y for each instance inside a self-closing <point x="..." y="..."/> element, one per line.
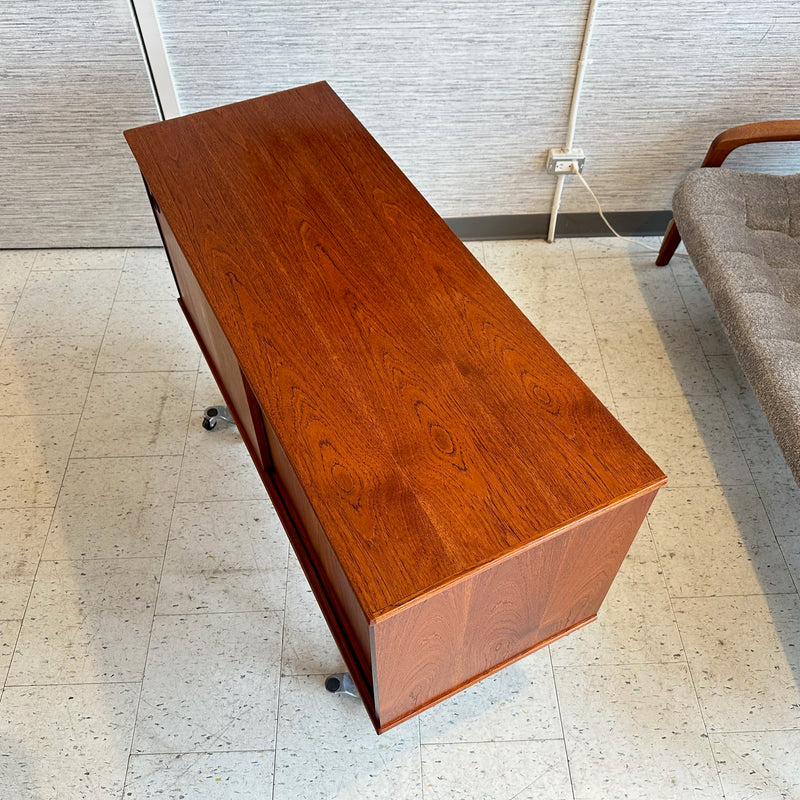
<point x="534" y="226"/>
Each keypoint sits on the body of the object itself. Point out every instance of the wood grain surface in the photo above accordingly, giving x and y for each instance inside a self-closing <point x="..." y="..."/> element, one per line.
<point x="498" y="614"/>
<point x="431" y="426"/>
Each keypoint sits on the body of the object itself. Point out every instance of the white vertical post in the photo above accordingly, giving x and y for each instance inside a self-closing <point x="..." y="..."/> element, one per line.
<point x="152" y="41"/>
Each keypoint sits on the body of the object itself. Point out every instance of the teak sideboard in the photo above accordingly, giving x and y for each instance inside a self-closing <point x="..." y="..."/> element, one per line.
<point x="456" y="495"/>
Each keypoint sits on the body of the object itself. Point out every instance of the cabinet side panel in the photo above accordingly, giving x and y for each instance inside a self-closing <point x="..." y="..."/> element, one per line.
<point x="328" y="581"/>
<point x="216" y="349"/>
<point x="474" y="627"/>
<point x="345" y="618"/>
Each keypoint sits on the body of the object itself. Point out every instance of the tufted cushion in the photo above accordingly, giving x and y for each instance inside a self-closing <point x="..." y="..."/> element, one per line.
<point x="742" y="231"/>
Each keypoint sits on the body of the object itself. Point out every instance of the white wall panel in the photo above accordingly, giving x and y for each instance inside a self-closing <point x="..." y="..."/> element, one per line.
<point x="665" y="78"/>
<point x="465" y="95"/>
<point x="72" y="77"/>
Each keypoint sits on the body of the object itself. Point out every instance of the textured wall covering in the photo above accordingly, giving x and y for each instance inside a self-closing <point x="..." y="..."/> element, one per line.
<point x="665" y="78"/>
<point x="72" y="78"/>
<point x="465" y="96"/>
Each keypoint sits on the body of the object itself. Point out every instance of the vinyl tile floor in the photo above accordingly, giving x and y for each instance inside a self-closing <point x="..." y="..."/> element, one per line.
<point x="158" y="639"/>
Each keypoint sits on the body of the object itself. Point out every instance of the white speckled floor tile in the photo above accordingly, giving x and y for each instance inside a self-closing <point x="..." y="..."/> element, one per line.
<point x="9" y="630"/>
<point x="635" y="624"/>
<point x="520" y="255"/>
<point x="213" y="721"/>
<point x="691" y="439"/>
<point x="745" y="413"/>
<point x="790" y="547"/>
<point x="146" y="276"/>
<point x="114" y="508"/>
<point x="22" y="536"/>
<point x="217" y="465"/>
<point x="710" y="332"/>
<point x="46" y="375"/>
<point x="717" y="541"/>
<point x="206" y="391"/>
<point x="327" y="748"/>
<point x="544" y="291"/>
<point x="518" y="702"/>
<point x="84" y="300"/>
<point x="535" y="770"/>
<point x="15" y="266"/>
<point x="80" y="258"/>
<point x="148" y="337"/>
<point x="211" y="684"/>
<point x="6" y="313"/>
<point x="635" y="732"/>
<point x="201" y="776"/>
<point x="761" y="765"/>
<point x="224" y="557"/>
<point x="611" y="247"/>
<point x="308" y="647"/>
<point x="573" y="337"/>
<point x="654" y="359"/>
<point x="744" y="653"/>
<point x="544" y="282"/>
<point x="87" y="621"/>
<point x="532" y="270"/>
<point x="33" y="458"/>
<point x="67" y="742"/>
<point x="135" y="414"/>
<point x="778" y="490"/>
<point x="641" y="290"/>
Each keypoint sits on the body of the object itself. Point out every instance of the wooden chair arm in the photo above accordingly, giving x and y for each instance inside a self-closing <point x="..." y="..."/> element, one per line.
<point x="777" y="130"/>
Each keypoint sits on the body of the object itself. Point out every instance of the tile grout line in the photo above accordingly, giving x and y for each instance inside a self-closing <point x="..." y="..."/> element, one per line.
<point x="685" y="660"/>
<point x="16" y="302"/>
<point x="91" y="382"/>
<point x="280" y="675"/>
<point x="749" y="466"/>
<point x="27" y="604"/>
<point x="52" y="508"/>
<point x="147" y="652"/>
<point x="146" y="646"/>
<point x="419" y="757"/>
<point x="64" y="474"/>
<point x="603" y="361"/>
<point x="70" y="685"/>
<point x="459" y="742"/>
<point x="561" y="723"/>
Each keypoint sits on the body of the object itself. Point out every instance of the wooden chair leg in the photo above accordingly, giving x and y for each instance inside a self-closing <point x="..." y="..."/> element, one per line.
<point x="671" y="241"/>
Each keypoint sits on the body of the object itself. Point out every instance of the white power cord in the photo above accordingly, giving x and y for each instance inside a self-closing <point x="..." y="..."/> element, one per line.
<point x="574" y="171"/>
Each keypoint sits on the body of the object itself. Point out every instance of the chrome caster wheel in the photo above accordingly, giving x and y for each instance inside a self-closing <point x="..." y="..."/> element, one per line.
<point x="341" y="683"/>
<point x="213" y="414"/>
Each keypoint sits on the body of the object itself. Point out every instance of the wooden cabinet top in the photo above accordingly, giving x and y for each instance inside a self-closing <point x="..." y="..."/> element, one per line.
<point x="432" y="427"/>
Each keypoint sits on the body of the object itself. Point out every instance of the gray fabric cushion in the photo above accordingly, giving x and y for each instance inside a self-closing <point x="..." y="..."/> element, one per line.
<point x="742" y="231"/>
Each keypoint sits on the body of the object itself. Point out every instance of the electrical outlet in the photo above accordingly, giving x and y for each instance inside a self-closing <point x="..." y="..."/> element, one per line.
<point x="559" y="162"/>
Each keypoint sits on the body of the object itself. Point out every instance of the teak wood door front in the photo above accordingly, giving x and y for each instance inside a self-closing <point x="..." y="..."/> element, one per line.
<point x="456" y="495"/>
